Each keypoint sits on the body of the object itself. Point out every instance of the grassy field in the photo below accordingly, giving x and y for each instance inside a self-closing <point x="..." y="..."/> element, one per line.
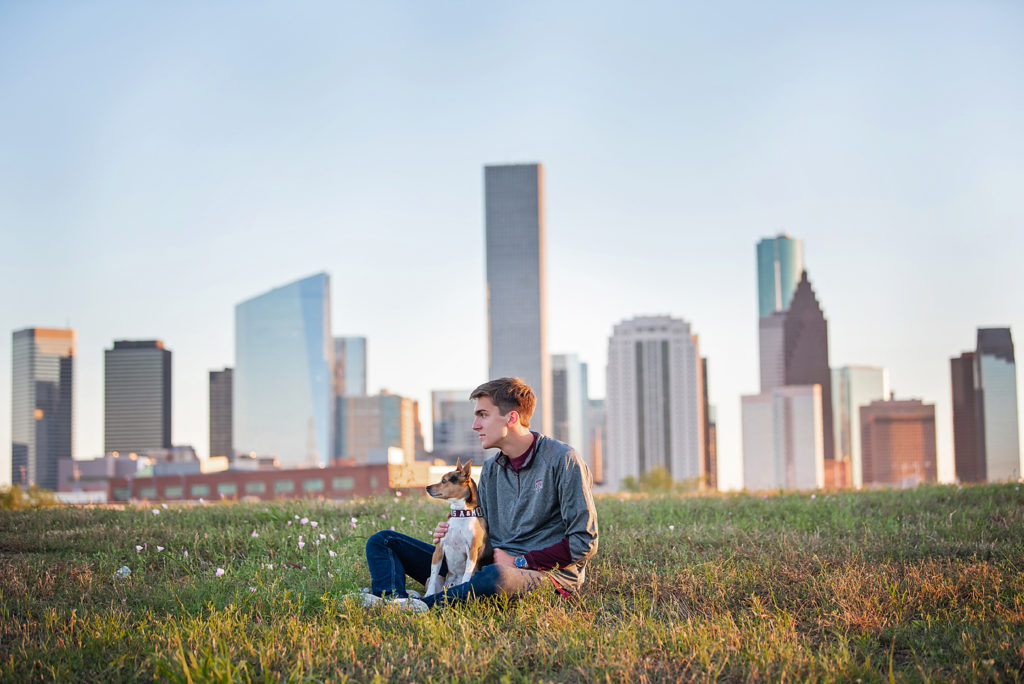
<point x="913" y="585"/>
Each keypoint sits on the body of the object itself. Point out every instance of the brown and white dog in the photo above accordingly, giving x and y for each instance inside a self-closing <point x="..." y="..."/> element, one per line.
<point x="465" y="546"/>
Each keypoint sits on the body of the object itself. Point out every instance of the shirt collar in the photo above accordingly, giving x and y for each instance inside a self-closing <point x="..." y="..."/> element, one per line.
<point x="520" y="462"/>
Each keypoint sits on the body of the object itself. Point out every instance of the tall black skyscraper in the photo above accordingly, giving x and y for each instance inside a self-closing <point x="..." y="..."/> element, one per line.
<point x="137" y="396"/>
<point x="220" y="414"/>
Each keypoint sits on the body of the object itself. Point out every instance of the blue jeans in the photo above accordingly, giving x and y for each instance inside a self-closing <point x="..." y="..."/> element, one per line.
<point x="393" y="556"/>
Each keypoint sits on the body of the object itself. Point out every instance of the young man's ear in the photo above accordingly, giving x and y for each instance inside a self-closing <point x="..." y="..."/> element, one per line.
<point x="513" y="418"/>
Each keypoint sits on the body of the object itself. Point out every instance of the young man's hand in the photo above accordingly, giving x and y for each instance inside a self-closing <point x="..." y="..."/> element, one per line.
<point x="504" y="558"/>
<point x="440" y="531"/>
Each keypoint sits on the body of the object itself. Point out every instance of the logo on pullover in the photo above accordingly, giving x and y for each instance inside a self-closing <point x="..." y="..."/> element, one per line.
<point x="539" y="484"/>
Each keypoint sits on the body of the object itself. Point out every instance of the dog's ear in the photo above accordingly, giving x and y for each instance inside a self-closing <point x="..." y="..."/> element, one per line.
<point x="458" y="463"/>
<point x="465" y="469"/>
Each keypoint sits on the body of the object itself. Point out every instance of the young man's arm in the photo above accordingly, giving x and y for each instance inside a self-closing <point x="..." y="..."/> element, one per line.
<point x="579" y="514"/>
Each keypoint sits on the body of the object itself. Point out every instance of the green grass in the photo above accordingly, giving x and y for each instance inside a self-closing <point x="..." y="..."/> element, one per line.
<point x="919" y="585"/>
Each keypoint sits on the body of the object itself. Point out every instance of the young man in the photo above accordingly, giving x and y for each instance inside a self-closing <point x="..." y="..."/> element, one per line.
<point x="536" y="497"/>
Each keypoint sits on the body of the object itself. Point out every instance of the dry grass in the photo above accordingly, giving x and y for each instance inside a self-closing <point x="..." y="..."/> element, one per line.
<point x="916" y="585"/>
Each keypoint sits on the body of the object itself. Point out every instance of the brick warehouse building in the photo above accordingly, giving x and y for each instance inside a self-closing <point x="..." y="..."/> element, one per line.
<point x="334" y="482"/>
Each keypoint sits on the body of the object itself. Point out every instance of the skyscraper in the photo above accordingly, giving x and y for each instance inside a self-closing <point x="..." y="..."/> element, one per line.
<point x="350" y="366"/>
<point x="968" y="453"/>
<point x="283" y="383"/>
<point x="220" y="414"/>
<point x="995" y="384"/>
<point x="372" y="424"/>
<point x="805" y="352"/>
<point x="853" y="387"/>
<point x="597" y="428"/>
<point x="452" y="417"/>
<point x="710" y="430"/>
<point x="655" y="400"/>
<point x="41" y="404"/>
<point x="137" y="396"/>
<point x="783" y="439"/>
<point x="898" y="443"/>
<point x="569" y="402"/>
<point x="780" y="260"/>
<point x="516" y="282"/>
<point x="793" y="346"/>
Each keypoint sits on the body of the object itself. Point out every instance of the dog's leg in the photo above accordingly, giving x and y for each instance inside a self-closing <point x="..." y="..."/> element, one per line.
<point x="434" y="583"/>
<point x="473" y="557"/>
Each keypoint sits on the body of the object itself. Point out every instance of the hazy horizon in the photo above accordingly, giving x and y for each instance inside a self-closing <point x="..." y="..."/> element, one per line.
<point x="164" y="163"/>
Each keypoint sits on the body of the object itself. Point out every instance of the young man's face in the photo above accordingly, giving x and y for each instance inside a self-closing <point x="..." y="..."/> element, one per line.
<point x="490" y="426"/>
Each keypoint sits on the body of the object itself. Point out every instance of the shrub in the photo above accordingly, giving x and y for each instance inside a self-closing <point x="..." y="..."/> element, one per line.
<point x="14" y="498"/>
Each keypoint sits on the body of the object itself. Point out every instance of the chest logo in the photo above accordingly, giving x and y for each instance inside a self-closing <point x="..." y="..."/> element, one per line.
<point x="539" y="484"/>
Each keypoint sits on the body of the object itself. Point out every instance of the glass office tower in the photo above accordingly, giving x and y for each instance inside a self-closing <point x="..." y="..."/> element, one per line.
<point x="995" y="381"/>
<point x="780" y="261"/>
<point x="516" y="287"/>
<point x="283" y="384"/>
<point x="853" y="387"/>
<point x="41" y="406"/>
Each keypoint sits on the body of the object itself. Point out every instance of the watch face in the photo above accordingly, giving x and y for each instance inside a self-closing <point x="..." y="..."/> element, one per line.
<point x="520" y="562"/>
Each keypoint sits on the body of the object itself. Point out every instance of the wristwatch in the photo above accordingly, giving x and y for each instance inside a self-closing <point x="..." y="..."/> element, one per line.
<point x="520" y="562"/>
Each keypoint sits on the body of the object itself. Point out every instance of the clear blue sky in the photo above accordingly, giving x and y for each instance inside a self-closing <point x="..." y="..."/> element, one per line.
<point x="160" y="162"/>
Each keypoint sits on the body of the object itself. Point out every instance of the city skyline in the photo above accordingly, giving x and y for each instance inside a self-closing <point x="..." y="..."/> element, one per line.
<point x="887" y="139"/>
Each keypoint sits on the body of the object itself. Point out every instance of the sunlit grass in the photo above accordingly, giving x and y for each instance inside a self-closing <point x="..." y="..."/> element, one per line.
<point x="920" y="585"/>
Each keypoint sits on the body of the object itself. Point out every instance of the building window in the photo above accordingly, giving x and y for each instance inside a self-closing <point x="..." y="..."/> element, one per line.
<point x="257" y="487"/>
<point x="122" y="494"/>
<point x="172" y="492"/>
<point x="284" y="486"/>
<point x="315" y="484"/>
<point x="343" y="483"/>
<point x="199" y="490"/>
<point x="227" y="488"/>
<point x="373" y="482"/>
<point x="147" y="492"/>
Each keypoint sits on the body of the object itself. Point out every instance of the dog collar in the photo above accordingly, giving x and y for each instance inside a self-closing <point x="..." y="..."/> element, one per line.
<point x="466" y="513"/>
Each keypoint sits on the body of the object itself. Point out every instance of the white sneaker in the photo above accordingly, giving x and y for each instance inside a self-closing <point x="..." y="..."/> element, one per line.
<point x="411" y="592"/>
<point x="411" y="605"/>
<point x="362" y="599"/>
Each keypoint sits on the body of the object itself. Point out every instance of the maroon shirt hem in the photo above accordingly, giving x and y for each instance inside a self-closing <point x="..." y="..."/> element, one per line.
<point x="556" y="555"/>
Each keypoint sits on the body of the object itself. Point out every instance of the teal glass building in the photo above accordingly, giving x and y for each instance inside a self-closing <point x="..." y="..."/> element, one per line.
<point x="780" y="260"/>
<point x="283" y="381"/>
